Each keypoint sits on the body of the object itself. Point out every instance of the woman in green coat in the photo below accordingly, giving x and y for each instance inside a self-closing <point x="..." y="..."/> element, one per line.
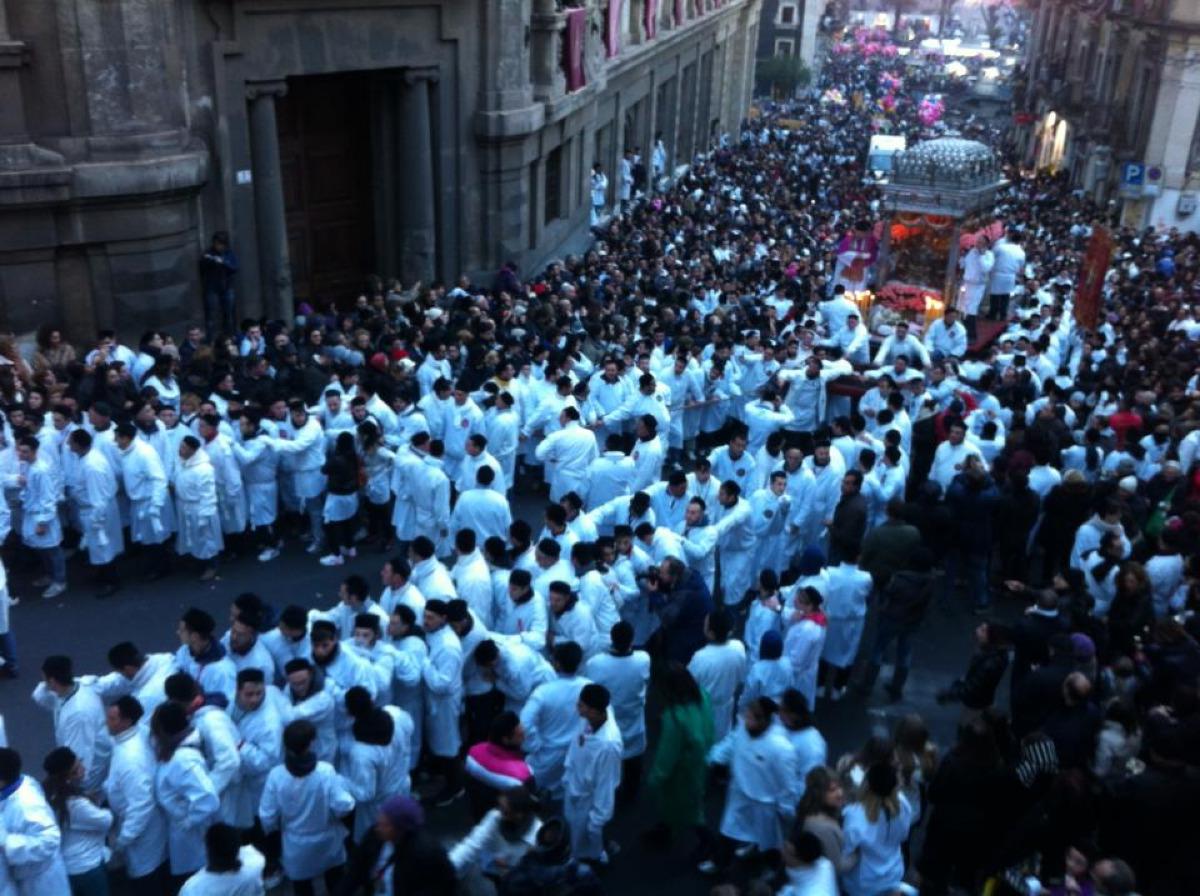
<point x="679" y="772"/>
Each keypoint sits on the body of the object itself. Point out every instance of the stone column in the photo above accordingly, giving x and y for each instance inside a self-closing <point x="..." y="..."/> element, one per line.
<point x="416" y="212"/>
<point x="275" y="270"/>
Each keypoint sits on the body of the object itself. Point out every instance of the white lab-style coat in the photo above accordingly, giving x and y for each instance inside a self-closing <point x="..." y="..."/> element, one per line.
<point x="527" y="620"/>
<point x="151" y="516"/>
<point x="408" y="688"/>
<point x="569" y="452"/>
<point x="592" y="771"/>
<point x="95" y="493"/>
<point x="734" y="529"/>
<point x="213" y="671"/>
<point x="246" y="881"/>
<point x="231" y="496"/>
<point x="318" y="708"/>
<point x="259" y="464"/>
<point x="609" y="478"/>
<point x="146" y="685"/>
<point x="880" y="867"/>
<point x="78" y="720"/>
<point x="473" y="583"/>
<point x="483" y="510"/>
<point x="442" y="674"/>
<point x="762" y="785"/>
<point x="39" y="505"/>
<point x="503" y="432"/>
<point x="32" y="842"/>
<point x="302" y="456"/>
<point x="846" y="611"/>
<point x="141" y="833"/>
<point x="190" y="803"/>
<point x="767" y="678"/>
<point x="720" y="669"/>
<point x="219" y="744"/>
<point x="429" y="491"/>
<point x="196" y="508"/>
<point x="307" y="810"/>
<point x="363" y="767"/>
<point x="519" y="671"/>
<point x="647" y="456"/>
<point x="84" y="834"/>
<point x="551" y="720"/>
<point x="626" y="678"/>
<point x="577" y="624"/>
<point x="260" y="749"/>
<point x="802" y="645"/>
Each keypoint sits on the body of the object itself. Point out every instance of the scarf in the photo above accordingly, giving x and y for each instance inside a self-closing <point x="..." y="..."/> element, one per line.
<point x="816" y="616"/>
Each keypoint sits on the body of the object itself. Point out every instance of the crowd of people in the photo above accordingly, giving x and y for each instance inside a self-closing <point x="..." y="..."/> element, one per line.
<point x="738" y="482"/>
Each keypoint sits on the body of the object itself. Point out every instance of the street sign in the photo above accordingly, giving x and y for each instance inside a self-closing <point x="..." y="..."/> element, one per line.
<point x="1133" y="174"/>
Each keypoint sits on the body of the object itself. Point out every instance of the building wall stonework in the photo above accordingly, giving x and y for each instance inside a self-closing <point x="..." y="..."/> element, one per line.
<point x="130" y="130"/>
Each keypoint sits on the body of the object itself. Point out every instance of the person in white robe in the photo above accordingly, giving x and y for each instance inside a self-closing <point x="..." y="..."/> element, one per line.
<point x="231" y="869"/>
<point x="762" y="792"/>
<point x="95" y="495"/>
<point x="77" y="709"/>
<point x="804" y="640"/>
<point x="502" y="427"/>
<point x="151" y="513"/>
<point x="197" y="509"/>
<point x="32" y="839"/>
<point x="141" y="828"/>
<point x="308" y="699"/>
<point x="482" y="509"/>
<point x="625" y="673"/>
<point x="183" y="788"/>
<point x="514" y="667"/>
<point x="259" y="464"/>
<point x="41" y="529"/>
<point x="301" y="450"/>
<point x="591" y="774"/>
<point x="719" y="667"/>
<point x="571" y="451"/>
<point x="846" y="614"/>
<point x="550" y="717"/>
<point x="260" y="748"/>
<point x="305" y="800"/>
<point x="472" y="577"/>
<point x="734" y="528"/>
<point x="443" y="679"/>
<point x="231" y="494"/>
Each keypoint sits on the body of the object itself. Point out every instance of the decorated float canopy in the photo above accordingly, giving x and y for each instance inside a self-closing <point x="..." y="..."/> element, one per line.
<point x="939" y="200"/>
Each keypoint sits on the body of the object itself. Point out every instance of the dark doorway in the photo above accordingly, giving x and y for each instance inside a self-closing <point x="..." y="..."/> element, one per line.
<point x="325" y="154"/>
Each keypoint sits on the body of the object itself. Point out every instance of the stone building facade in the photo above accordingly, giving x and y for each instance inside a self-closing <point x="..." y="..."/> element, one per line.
<point x="415" y="138"/>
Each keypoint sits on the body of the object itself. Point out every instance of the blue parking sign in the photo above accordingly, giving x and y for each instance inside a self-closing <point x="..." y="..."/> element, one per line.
<point x="1133" y="174"/>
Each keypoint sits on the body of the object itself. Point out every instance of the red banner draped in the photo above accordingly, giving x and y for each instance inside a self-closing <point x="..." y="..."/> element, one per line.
<point x="612" y="37"/>
<point x="1089" y="293"/>
<point x="576" y="34"/>
<point x="651" y="19"/>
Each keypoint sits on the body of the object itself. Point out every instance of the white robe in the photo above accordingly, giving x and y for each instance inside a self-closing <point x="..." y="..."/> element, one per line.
<point x="78" y="721"/>
<point x="626" y="678"/>
<point x="571" y="451"/>
<point x="261" y="749"/>
<point x="197" y="509"/>
<point x="246" y="881"/>
<point x="591" y="773"/>
<point x="442" y="674"/>
<point x="95" y="494"/>
<point x="762" y="785"/>
<point x="152" y="518"/>
<point x="846" y="610"/>
<point x="720" y="669"/>
<point x="308" y="811"/>
<point x="188" y="800"/>
<point x="32" y="842"/>
<point x="551" y="720"/>
<point x="484" y="511"/>
<point x="802" y="645"/>
<point x="39" y="505"/>
<point x="259" y="464"/>
<point x="141" y="828"/>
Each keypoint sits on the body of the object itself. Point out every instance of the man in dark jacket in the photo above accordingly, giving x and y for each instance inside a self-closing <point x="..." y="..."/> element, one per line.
<point x="970" y="498"/>
<point x="905" y="601"/>
<point x="1040" y="693"/>
<point x="418" y="864"/>
<point x="682" y="601"/>
<point x="889" y="547"/>
<point x="849" y="522"/>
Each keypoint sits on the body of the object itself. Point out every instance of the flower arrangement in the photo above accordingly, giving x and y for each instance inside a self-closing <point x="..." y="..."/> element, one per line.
<point x="931" y="109"/>
<point x="905" y="298"/>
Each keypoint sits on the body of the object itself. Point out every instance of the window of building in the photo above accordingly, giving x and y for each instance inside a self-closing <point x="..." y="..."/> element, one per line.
<point x="785" y="47"/>
<point x="553" y="187"/>
<point x="787" y="14"/>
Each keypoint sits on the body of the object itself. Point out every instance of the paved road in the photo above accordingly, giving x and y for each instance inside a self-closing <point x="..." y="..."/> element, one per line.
<point x="79" y="625"/>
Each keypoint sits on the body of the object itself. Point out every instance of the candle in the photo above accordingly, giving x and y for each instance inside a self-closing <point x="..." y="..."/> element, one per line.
<point x="934" y="309"/>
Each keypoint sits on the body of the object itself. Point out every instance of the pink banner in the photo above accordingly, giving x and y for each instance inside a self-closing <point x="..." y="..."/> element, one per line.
<point x="573" y="48"/>
<point x="651" y="19"/>
<point x="678" y="12"/>
<point x="612" y="25"/>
